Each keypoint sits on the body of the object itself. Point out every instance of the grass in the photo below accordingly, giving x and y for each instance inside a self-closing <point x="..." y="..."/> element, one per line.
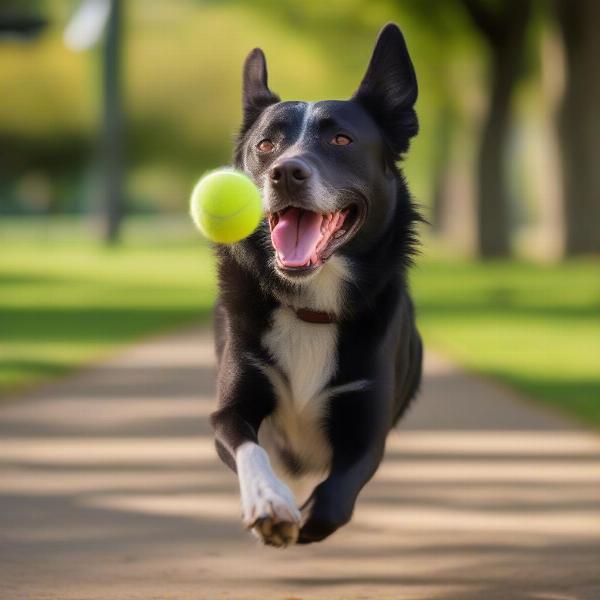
<point x="65" y="300"/>
<point x="535" y="327"/>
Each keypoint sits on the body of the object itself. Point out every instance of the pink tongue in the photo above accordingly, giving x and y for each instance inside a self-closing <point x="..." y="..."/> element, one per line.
<point x="296" y="236"/>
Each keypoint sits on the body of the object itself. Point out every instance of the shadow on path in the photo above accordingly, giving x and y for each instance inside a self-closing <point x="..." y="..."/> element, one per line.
<point x="110" y="488"/>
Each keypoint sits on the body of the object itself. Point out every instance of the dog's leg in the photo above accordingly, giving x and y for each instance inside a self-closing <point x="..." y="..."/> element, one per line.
<point x="332" y="502"/>
<point x="268" y="506"/>
<point x="356" y="453"/>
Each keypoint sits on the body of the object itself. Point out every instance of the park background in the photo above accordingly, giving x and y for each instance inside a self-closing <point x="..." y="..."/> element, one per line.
<point x="102" y="137"/>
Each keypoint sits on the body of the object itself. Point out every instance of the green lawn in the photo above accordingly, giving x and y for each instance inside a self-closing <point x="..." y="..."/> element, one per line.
<point x="534" y="327"/>
<point x="65" y="300"/>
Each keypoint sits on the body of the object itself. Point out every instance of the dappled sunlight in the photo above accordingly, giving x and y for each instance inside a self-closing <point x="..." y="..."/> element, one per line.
<point x="119" y="462"/>
<point x="107" y="451"/>
<point x="559" y="522"/>
<point x="117" y="412"/>
<point x="511" y="471"/>
<point x="206" y="505"/>
<point x="42" y="481"/>
<point x="542" y="443"/>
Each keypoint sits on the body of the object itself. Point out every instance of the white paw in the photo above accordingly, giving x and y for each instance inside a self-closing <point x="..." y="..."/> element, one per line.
<point x="272" y="516"/>
<point x="268" y="506"/>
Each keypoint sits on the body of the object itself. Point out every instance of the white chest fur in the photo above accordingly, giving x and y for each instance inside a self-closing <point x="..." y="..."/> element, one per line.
<point x="304" y="352"/>
<point x="305" y="357"/>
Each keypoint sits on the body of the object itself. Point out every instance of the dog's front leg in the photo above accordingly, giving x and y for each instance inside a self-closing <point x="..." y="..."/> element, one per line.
<point x="268" y="506"/>
<point x="357" y="449"/>
<point x="332" y="502"/>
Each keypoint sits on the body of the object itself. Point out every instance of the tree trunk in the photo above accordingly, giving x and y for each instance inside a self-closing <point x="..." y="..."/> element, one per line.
<point x="112" y="143"/>
<point x="579" y="125"/>
<point x="440" y="168"/>
<point x="504" y="29"/>
<point x="493" y="219"/>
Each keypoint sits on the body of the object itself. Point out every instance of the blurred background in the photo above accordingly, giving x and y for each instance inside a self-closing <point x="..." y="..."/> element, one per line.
<point x="111" y="109"/>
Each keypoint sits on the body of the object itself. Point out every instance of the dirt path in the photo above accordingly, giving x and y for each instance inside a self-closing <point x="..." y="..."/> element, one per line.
<point x="110" y="489"/>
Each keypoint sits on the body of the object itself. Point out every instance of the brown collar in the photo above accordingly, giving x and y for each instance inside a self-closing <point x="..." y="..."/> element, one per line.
<point x="314" y="316"/>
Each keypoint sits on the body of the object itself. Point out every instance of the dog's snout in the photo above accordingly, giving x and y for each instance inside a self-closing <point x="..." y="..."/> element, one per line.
<point x="290" y="173"/>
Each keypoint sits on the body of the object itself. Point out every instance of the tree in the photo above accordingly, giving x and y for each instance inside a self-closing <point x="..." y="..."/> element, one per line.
<point x="579" y="125"/>
<point x="503" y="26"/>
<point x="112" y="143"/>
<point x="93" y="20"/>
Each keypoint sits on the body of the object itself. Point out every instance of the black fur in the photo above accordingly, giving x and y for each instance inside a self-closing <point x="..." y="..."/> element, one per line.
<point x="378" y="339"/>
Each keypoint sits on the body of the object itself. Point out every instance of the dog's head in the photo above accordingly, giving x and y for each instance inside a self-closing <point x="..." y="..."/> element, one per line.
<point x="327" y="169"/>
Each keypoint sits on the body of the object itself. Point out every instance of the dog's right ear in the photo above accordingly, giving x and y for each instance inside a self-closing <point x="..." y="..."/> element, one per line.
<point x="256" y="95"/>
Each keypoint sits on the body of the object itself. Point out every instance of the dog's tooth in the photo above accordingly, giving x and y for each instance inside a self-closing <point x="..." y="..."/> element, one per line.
<point x="339" y="233"/>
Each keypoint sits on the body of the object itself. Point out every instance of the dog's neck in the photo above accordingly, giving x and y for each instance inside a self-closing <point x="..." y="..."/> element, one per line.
<point x="322" y="298"/>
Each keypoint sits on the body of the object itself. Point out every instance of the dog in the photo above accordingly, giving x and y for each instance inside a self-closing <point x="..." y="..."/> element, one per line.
<point x="317" y="347"/>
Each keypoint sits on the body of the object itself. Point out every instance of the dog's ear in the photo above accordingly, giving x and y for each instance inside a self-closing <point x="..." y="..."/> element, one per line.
<point x="389" y="88"/>
<point x="256" y="95"/>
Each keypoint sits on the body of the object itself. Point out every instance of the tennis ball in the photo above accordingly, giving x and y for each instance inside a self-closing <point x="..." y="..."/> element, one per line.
<point x="226" y="206"/>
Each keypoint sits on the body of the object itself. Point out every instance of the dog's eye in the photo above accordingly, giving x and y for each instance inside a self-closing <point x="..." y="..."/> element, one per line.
<point x="265" y="146"/>
<point x="340" y="140"/>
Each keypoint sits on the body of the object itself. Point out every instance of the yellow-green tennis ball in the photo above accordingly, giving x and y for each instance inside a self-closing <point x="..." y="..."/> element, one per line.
<point x="226" y="206"/>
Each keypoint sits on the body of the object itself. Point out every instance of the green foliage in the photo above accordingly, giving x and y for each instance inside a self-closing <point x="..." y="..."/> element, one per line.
<point x="182" y="77"/>
<point x="535" y="327"/>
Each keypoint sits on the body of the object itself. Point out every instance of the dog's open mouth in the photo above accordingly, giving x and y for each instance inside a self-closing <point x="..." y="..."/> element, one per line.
<point x="304" y="239"/>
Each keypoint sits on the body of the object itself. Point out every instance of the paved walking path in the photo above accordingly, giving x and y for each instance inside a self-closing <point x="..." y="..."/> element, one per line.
<point x="110" y="489"/>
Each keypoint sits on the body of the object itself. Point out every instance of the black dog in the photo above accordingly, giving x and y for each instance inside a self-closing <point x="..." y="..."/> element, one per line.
<point x="315" y="333"/>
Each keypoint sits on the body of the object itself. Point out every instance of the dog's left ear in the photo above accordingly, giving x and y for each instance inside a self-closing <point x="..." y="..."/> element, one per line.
<point x="389" y="88"/>
<point x="256" y="95"/>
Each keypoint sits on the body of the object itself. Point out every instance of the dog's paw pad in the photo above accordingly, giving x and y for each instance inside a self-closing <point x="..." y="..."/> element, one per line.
<point x="276" y="533"/>
<point x="274" y="518"/>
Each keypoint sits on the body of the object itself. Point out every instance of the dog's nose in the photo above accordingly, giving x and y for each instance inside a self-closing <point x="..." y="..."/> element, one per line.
<point x="291" y="173"/>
